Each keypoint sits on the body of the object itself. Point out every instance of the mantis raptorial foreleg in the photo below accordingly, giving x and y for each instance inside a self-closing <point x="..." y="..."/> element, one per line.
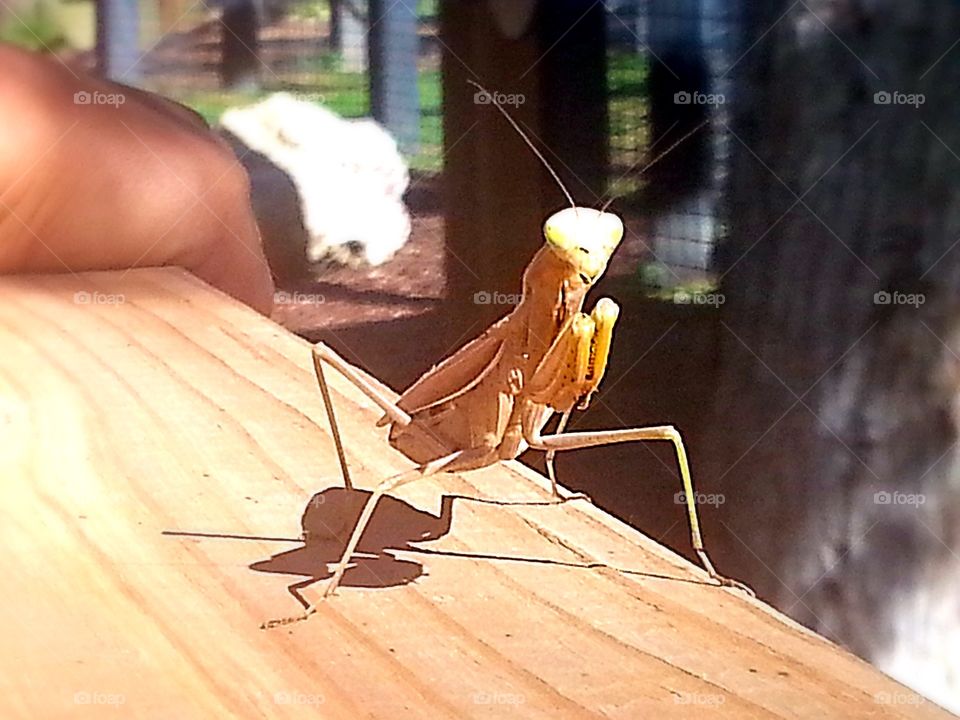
<point x="322" y="354"/>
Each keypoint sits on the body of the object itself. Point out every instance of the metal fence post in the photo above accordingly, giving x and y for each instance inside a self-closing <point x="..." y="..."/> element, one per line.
<point x="118" y="40"/>
<point x="394" y="49"/>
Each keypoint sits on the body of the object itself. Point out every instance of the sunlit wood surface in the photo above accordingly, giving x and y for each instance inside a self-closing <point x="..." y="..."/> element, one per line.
<point x="160" y="447"/>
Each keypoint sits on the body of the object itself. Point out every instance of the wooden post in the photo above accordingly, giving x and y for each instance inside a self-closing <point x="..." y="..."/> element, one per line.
<point x="497" y="192"/>
<point x="239" y="62"/>
<point x="574" y="85"/>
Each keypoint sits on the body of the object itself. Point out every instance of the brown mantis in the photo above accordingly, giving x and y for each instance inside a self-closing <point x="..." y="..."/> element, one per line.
<point x="491" y="399"/>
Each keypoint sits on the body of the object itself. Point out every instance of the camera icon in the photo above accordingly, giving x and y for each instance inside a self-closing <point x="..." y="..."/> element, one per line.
<point x="882" y="297"/>
<point x="82" y="97"/>
<point x="482" y="298"/>
<point x="882" y="498"/>
<point x="681" y="297"/>
<point x="882" y="97"/>
<point x="482" y="97"/>
<point x="682" y="98"/>
<point x="81" y="297"/>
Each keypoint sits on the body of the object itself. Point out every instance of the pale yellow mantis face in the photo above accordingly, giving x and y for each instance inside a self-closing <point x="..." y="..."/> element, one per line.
<point x="585" y="238"/>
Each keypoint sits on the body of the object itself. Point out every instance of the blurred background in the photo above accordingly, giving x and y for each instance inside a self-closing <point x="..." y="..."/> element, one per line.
<point x="789" y="278"/>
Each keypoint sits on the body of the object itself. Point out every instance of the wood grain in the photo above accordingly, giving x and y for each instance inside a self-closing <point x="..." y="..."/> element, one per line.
<point x="158" y="454"/>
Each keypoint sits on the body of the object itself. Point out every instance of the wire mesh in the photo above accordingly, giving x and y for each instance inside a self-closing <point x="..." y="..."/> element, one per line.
<point x="669" y="69"/>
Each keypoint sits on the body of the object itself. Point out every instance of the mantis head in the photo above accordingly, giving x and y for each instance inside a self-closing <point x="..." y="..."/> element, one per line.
<point x="584" y="238"/>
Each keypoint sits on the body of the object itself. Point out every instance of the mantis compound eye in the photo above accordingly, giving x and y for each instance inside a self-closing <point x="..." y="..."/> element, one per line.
<point x="556" y="234"/>
<point x="613" y="232"/>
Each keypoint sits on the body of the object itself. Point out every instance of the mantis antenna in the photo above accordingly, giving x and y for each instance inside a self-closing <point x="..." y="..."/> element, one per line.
<point x="661" y="156"/>
<point x="523" y="135"/>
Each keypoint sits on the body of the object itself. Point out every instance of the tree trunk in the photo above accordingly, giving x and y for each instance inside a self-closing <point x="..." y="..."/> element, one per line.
<point x="837" y="410"/>
<point x="336" y="24"/>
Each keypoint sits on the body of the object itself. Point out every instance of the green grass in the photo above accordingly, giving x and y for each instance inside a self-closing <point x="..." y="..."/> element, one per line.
<point x="344" y="93"/>
<point x="347" y="94"/>
<point x="430" y="155"/>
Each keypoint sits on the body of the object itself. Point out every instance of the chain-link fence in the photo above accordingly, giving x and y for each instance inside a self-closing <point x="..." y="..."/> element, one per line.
<point x="671" y="68"/>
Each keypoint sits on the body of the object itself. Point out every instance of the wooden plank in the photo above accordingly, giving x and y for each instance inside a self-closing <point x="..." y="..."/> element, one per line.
<point x="157" y="452"/>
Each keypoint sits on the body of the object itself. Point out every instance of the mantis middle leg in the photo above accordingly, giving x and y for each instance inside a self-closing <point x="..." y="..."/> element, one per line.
<point x="577" y="440"/>
<point x="568" y="375"/>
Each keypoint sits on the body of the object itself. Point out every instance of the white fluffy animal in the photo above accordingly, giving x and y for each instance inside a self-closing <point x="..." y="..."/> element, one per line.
<point x="349" y="175"/>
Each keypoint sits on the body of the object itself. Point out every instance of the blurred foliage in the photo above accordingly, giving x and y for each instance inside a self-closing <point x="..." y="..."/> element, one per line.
<point x="320" y="9"/>
<point x="34" y="26"/>
<point x="658" y="282"/>
<point x="427" y="9"/>
<point x="309" y="10"/>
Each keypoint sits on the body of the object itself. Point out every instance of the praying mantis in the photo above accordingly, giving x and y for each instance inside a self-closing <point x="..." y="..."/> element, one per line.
<point x="491" y="399"/>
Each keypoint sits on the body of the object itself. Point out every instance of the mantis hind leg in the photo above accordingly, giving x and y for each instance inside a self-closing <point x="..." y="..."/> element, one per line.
<point x="324" y="354"/>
